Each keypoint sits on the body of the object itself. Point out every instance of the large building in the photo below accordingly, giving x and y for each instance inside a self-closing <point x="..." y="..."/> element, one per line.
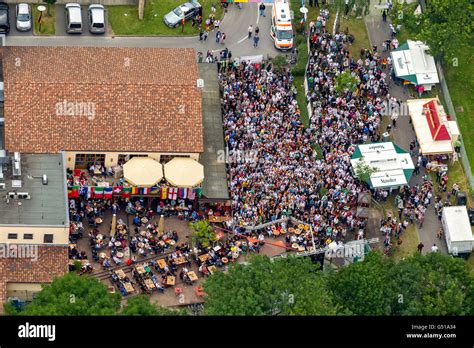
<point x="34" y="223"/>
<point x="68" y="108"/>
<point x="99" y="105"/>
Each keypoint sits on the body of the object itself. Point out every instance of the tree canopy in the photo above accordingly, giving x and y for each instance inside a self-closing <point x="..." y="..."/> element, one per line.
<point x="141" y="305"/>
<point x="72" y="294"/>
<point x="432" y="284"/>
<point x="287" y="286"/>
<point x="444" y="25"/>
<point x="363" y="287"/>
<point x="346" y="82"/>
<point x="204" y="234"/>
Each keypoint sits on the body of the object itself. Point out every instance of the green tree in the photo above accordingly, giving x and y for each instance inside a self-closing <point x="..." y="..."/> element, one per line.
<point x="345" y="82"/>
<point x="433" y="284"/>
<point x="286" y="286"/>
<point x="72" y="295"/>
<point x="364" y="287"/>
<point x="363" y="171"/>
<point x="446" y="26"/>
<point x="49" y="3"/>
<point x="141" y="305"/>
<point x="204" y="234"/>
<point x="279" y="63"/>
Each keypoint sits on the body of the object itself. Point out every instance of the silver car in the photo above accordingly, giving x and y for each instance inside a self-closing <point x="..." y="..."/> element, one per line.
<point x="96" y="19"/>
<point x="23" y="17"/>
<point x="187" y="11"/>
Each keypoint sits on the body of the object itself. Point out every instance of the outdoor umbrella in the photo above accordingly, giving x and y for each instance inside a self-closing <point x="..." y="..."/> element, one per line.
<point x="161" y="226"/>
<point x="184" y="172"/>
<point x="143" y="171"/>
<point x="113" y="225"/>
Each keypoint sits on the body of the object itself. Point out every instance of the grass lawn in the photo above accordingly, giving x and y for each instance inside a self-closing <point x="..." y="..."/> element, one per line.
<point x="48" y="25"/>
<point x="455" y="175"/>
<point x="124" y="19"/>
<point x="356" y="27"/>
<point x="359" y="30"/>
<point x="410" y="238"/>
<point x="461" y="89"/>
<point x="470" y="262"/>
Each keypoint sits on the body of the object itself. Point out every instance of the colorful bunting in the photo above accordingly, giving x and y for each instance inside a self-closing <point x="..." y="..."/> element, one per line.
<point x="108" y="192"/>
<point x="126" y="192"/>
<point x="98" y="192"/>
<point x="73" y="192"/>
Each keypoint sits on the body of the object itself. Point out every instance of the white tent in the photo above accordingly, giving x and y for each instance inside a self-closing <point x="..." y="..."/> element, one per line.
<point x="412" y="63"/>
<point x="428" y="144"/>
<point x="394" y="165"/>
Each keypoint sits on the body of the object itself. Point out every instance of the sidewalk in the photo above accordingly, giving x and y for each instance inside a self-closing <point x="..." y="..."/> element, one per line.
<point x="403" y="134"/>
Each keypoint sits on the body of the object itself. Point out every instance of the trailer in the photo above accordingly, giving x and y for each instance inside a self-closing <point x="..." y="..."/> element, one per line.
<point x="457" y="230"/>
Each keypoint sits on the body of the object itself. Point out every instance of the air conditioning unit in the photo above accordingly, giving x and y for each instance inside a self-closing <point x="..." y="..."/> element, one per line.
<point x="23" y="195"/>
<point x="11" y="195"/>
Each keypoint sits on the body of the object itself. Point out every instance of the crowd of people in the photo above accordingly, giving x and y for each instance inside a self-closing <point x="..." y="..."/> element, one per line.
<point x="283" y="173"/>
<point x="306" y="172"/>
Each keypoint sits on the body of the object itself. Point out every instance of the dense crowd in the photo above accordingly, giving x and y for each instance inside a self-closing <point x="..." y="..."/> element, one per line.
<point x="282" y="173"/>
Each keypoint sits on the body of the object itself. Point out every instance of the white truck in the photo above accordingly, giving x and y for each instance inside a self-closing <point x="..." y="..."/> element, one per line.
<point x="457" y="230"/>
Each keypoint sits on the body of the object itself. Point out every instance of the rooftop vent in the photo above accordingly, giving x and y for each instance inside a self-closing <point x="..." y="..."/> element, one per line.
<point x="16" y="183"/>
<point x="16" y="164"/>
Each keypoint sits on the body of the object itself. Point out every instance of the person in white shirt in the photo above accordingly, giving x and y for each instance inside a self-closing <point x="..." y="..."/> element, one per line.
<point x="434" y="248"/>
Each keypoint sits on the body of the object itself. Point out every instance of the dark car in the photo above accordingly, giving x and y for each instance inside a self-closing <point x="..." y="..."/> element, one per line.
<point x="4" y="18"/>
<point x="187" y="11"/>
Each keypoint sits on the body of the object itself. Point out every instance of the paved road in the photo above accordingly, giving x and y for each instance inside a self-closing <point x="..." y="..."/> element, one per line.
<point x="404" y="133"/>
<point x="235" y="26"/>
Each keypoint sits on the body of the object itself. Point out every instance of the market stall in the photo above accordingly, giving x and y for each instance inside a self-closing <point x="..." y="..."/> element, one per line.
<point x="391" y="166"/>
<point x="413" y="64"/>
<point x="435" y="133"/>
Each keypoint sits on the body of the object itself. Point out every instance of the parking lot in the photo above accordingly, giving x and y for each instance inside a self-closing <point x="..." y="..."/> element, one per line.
<point x="60" y="22"/>
<point x="13" y="30"/>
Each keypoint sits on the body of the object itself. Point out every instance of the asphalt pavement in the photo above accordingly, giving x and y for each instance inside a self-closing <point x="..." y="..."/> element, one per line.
<point x="404" y="133"/>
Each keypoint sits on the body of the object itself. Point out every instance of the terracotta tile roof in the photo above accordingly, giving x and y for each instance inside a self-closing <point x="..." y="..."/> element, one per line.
<point x="133" y="99"/>
<point x="52" y="262"/>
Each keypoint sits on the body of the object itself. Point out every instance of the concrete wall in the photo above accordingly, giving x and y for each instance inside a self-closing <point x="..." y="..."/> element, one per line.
<point x="60" y="235"/>
<point x="85" y="2"/>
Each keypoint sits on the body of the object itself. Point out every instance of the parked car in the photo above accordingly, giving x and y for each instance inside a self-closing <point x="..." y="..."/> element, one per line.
<point x="23" y="17"/>
<point x="187" y="11"/>
<point x="4" y="18"/>
<point x="73" y="18"/>
<point x="96" y="19"/>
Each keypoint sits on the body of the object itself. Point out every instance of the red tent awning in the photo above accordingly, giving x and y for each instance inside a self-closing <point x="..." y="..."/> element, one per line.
<point x="438" y="130"/>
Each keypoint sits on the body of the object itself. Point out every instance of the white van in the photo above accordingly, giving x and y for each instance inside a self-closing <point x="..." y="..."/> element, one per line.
<point x="73" y="18"/>
<point x="282" y="29"/>
<point x="457" y="230"/>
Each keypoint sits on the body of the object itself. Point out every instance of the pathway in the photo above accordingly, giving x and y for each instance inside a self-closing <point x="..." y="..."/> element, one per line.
<point x="403" y="134"/>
